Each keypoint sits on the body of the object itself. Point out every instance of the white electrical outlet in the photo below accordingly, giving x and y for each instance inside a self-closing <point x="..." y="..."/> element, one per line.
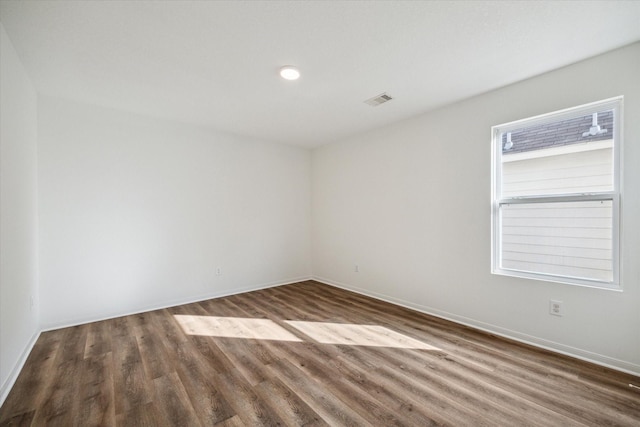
<point x="218" y="271"/>
<point x="555" y="308"/>
<point x="356" y="268"/>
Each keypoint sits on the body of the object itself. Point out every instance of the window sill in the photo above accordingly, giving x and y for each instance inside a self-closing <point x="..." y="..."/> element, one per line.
<point x="607" y="286"/>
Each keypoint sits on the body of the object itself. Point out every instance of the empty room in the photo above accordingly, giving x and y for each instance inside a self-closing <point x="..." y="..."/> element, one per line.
<point x="332" y="213"/>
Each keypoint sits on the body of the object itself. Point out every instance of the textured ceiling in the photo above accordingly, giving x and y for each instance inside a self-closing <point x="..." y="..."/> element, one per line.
<point x="216" y="63"/>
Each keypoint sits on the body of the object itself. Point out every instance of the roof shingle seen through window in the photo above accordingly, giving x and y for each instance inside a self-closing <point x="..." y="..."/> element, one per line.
<point x="556" y="134"/>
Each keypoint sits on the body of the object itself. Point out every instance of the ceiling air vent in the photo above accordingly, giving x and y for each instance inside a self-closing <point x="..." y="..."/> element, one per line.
<point x="379" y="99"/>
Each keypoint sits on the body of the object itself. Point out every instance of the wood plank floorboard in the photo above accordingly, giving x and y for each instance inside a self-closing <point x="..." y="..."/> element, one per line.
<point x="305" y="354"/>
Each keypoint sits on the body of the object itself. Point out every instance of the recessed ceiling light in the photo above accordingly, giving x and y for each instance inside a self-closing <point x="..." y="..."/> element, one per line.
<point x="289" y="72"/>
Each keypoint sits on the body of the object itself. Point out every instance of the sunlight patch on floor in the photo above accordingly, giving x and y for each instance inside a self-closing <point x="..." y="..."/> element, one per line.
<point x="234" y="327"/>
<point x="351" y="334"/>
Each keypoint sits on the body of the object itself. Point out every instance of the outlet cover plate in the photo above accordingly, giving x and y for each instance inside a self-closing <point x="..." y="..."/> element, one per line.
<point x="555" y="308"/>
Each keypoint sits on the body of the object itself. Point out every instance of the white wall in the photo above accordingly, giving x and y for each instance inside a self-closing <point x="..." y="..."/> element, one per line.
<point x="410" y="204"/>
<point x="18" y="214"/>
<point x="138" y="213"/>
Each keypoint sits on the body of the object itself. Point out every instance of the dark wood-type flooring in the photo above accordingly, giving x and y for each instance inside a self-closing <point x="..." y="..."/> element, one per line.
<point x="145" y="370"/>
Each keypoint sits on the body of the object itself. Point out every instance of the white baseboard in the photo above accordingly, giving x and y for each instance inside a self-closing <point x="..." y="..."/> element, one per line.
<point x="599" y="359"/>
<point x="13" y="376"/>
<point x="173" y="303"/>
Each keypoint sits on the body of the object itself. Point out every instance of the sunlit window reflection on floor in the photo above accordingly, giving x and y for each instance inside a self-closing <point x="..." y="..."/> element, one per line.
<point x="322" y="332"/>
<point x="350" y="334"/>
<point x="234" y="327"/>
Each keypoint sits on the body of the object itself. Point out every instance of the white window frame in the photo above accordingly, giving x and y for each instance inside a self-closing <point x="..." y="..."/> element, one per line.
<point x="615" y="104"/>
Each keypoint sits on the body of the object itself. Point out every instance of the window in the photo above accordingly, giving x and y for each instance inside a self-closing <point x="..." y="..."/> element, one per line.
<point x="556" y="196"/>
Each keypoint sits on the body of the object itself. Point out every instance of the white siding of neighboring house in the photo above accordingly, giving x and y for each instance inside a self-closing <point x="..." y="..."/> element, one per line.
<point x="571" y="239"/>
<point x="578" y="168"/>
